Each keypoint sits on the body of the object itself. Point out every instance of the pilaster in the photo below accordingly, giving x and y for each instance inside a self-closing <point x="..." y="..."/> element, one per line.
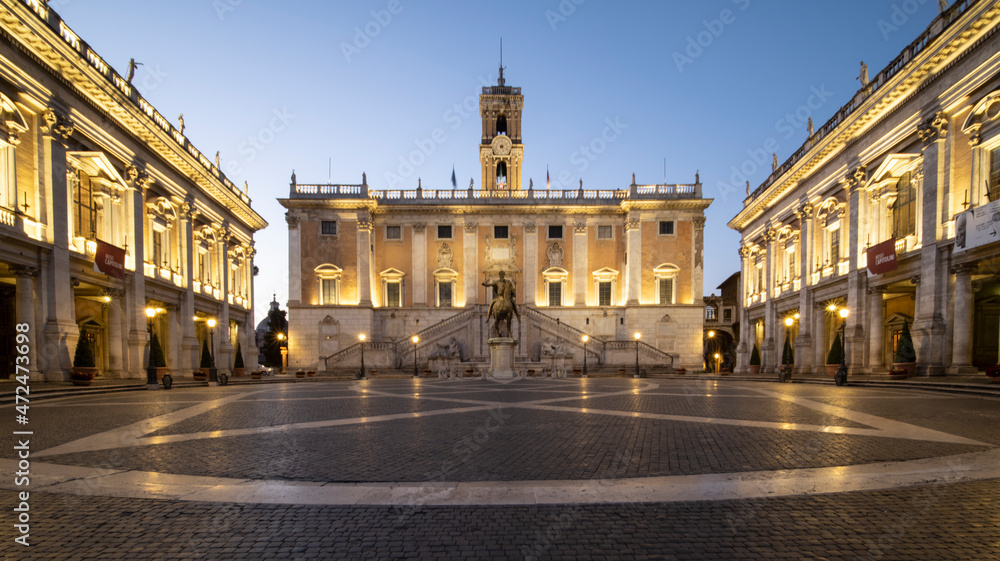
<point x="295" y="260"/>
<point x="25" y="312"/>
<point x="470" y="262"/>
<point x="420" y="265"/>
<point x="530" y="278"/>
<point x="633" y="267"/>
<point x="580" y="275"/>
<point x="365" y="227"/>
<point x="698" y="273"/>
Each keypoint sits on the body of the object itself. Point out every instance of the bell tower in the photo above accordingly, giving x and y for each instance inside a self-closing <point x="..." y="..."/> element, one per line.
<point x="501" y="152"/>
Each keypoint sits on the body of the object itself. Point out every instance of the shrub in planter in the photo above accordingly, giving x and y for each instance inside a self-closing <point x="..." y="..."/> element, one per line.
<point x="84" y="363"/>
<point x="906" y="356"/>
<point x="835" y="356"/>
<point x="238" y="367"/>
<point x="993" y="372"/>
<point x="156" y="358"/>
<point x="754" y="361"/>
<point x="206" y="362"/>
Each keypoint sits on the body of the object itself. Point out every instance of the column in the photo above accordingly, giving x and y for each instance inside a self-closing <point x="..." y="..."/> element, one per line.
<point x="251" y="353"/>
<point x="60" y="326"/>
<point x="25" y="313"/>
<point x="961" y="360"/>
<point x="135" y="287"/>
<point x="804" y="355"/>
<point x="420" y="266"/>
<point x="581" y="276"/>
<point x="928" y="328"/>
<point x="820" y="347"/>
<point x="876" y="315"/>
<point x="295" y="261"/>
<point x="529" y="293"/>
<point x="770" y="360"/>
<point x="470" y="263"/>
<point x="172" y="351"/>
<point x="633" y="268"/>
<point x="698" y="274"/>
<point x="224" y="360"/>
<point x="365" y="227"/>
<point x="190" y="348"/>
<point x="857" y="279"/>
<point x="116" y="365"/>
<point x="744" y="347"/>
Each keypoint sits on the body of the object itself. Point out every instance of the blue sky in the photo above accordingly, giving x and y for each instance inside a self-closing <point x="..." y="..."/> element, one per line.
<point x="300" y="84"/>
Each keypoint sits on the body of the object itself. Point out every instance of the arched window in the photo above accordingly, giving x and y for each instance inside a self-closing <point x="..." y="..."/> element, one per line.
<point x="502" y="125"/>
<point x="328" y="277"/>
<point x="502" y="175"/>
<point x="666" y="283"/>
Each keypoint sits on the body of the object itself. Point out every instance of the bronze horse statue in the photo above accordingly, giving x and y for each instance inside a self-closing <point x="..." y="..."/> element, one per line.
<point x="502" y="308"/>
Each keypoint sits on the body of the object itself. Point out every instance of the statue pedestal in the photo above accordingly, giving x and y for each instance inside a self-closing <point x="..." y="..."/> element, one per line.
<point x="502" y="358"/>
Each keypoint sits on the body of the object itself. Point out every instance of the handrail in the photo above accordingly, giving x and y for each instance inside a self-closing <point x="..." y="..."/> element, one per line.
<point x="560" y="326"/>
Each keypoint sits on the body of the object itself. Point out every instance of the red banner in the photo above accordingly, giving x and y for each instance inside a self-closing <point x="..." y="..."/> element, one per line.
<point x="110" y="260"/>
<point x="882" y="257"/>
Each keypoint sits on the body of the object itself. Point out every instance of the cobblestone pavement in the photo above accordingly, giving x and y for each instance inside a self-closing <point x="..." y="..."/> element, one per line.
<point x="545" y="469"/>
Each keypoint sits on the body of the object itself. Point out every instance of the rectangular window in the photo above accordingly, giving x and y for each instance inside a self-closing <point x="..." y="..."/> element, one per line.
<point x="666" y="291"/>
<point x="157" y="256"/>
<point x="393" y="232"/>
<point x="904" y="212"/>
<point x="501" y="232"/>
<point x="666" y="227"/>
<point x="201" y="266"/>
<point x="604" y="294"/>
<point x="555" y="232"/>
<point x="727" y="314"/>
<point x="8" y="179"/>
<point x="710" y="313"/>
<point x="994" y="192"/>
<point x="329" y="227"/>
<point x="444" y="231"/>
<point x="328" y="291"/>
<point x="555" y="294"/>
<point x="393" y="296"/>
<point x="83" y="197"/>
<point x="834" y="246"/>
<point x="605" y="232"/>
<point x="444" y="294"/>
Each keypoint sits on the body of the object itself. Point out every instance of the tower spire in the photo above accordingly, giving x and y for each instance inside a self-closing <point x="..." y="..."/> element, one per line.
<point x="500" y="80"/>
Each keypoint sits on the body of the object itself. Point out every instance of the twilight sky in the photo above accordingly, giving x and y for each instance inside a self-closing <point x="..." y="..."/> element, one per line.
<point x="333" y="89"/>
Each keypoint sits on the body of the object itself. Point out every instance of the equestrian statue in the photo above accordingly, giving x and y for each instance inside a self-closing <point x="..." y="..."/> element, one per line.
<point x="502" y="308"/>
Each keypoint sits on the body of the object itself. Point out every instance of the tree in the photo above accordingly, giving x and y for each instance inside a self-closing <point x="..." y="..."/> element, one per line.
<point x="904" y="348"/>
<point x="755" y="357"/>
<point x="836" y="355"/>
<point x="787" y="354"/>
<point x="84" y="355"/>
<point x="156" y="358"/>
<point x="206" y="356"/>
<point x="238" y="362"/>
<point x="272" y="346"/>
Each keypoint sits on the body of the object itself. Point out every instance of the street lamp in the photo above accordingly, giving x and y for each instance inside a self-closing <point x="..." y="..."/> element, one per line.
<point x="283" y="349"/>
<point x="150" y="369"/>
<point x="361" y="375"/>
<point x="637" y="337"/>
<point x="585" y="338"/>
<point x="415" y="339"/>
<point x="213" y="372"/>
<point x="712" y="345"/>
<point x="840" y="378"/>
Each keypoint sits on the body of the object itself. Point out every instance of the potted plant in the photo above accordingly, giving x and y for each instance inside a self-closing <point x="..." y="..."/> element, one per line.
<point x="993" y="373"/>
<point x="754" y="361"/>
<point x="256" y="374"/>
<point x="156" y="358"/>
<point x="84" y="363"/>
<point x="834" y="357"/>
<point x="300" y="374"/>
<point x="906" y="356"/>
<point x="238" y="367"/>
<point x="898" y="373"/>
<point x="681" y="371"/>
<point x="206" y="362"/>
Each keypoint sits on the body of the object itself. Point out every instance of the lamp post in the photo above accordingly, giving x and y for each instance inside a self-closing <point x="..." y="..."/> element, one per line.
<point x="712" y="347"/>
<point x="361" y="375"/>
<point x="840" y="378"/>
<point x="585" y="338"/>
<point x="283" y="349"/>
<point x="415" y="339"/>
<point x="213" y="372"/>
<point x="150" y="369"/>
<point x="637" y="337"/>
<point x="786" y="369"/>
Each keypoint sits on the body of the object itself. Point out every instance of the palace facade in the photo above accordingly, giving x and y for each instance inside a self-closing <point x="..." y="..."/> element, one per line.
<point x="391" y="264"/>
<point x="886" y="211"/>
<point x="106" y="211"/>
